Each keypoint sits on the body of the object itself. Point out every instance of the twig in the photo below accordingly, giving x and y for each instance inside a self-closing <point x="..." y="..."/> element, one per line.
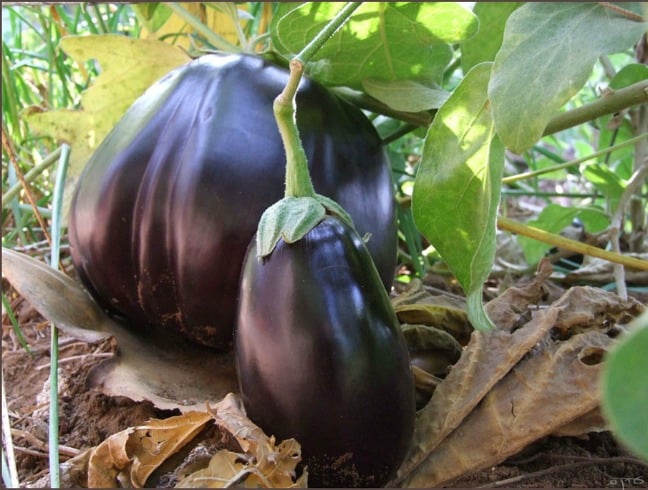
<point x="76" y="358"/>
<point x="628" y="14"/>
<point x="513" y="226"/>
<point x="579" y="461"/>
<point x="42" y="445"/>
<point x="573" y="163"/>
<point x="8" y="147"/>
<point x="8" y="441"/>
<point x="41" y="454"/>
<point x="613" y="101"/>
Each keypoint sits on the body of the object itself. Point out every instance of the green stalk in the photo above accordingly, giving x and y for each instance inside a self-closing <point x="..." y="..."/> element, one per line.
<point x="30" y="176"/>
<point x="10" y="473"/>
<point x="609" y="103"/>
<point x="57" y="206"/>
<point x="14" y="323"/>
<point x="213" y="38"/>
<point x="513" y="226"/>
<point x="562" y="166"/>
<point x="325" y="34"/>
<point x="298" y="180"/>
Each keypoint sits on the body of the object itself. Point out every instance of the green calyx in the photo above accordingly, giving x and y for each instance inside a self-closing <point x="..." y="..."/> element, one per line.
<point x="291" y="218"/>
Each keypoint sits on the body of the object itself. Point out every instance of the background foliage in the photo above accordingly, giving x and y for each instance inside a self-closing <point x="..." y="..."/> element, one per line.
<point x="488" y="112"/>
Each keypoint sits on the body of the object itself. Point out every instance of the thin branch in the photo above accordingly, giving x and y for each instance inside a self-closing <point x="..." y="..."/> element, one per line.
<point x="612" y="101"/>
<point x="513" y="226"/>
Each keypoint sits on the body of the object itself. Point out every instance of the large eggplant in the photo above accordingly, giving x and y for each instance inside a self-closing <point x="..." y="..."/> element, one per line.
<point x="167" y="205"/>
<point x="321" y="357"/>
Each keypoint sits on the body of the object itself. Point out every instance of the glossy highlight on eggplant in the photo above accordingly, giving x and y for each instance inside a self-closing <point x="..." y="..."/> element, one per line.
<point x="164" y="210"/>
<point x="321" y="357"/>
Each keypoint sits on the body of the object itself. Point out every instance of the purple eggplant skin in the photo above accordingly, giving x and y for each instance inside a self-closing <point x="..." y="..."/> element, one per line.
<point x="321" y="357"/>
<point x="163" y="212"/>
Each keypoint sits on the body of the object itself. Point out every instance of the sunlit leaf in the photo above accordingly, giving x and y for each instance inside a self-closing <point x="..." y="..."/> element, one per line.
<point x="385" y="41"/>
<point x="148" y="366"/>
<point x="485" y="44"/>
<point x="547" y="54"/>
<point x="405" y="95"/>
<point x="457" y="188"/>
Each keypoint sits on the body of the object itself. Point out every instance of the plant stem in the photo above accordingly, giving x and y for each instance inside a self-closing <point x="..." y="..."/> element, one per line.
<point x="334" y="24"/>
<point x="298" y="180"/>
<point x="57" y="205"/>
<point x="30" y="176"/>
<point x="562" y="166"/>
<point x="612" y="101"/>
<point x="513" y="226"/>
<point x="213" y="38"/>
<point x="13" y="481"/>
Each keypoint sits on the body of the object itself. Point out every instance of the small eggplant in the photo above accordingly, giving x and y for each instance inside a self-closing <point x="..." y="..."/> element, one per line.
<point x="321" y="357"/>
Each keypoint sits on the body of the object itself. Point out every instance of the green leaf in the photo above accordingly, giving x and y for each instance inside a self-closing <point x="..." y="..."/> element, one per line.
<point x="152" y="15"/>
<point x="128" y="67"/>
<point x="385" y="41"/>
<point x="623" y="382"/>
<point x="554" y="218"/>
<point x="617" y="128"/>
<point x="288" y="219"/>
<point x="457" y="188"/>
<point x="606" y="181"/>
<point x="548" y="52"/>
<point x="405" y="95"/>
<point x="485" y="44"/>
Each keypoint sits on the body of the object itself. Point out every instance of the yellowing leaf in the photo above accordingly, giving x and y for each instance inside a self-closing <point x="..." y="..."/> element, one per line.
<point x="128" y="67"/>
<point x="161" y="22"/>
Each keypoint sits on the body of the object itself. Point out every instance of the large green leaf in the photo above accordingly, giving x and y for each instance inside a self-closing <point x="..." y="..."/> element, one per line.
<point x="625" y="396"/>
<point x="548" y="52"/>
<point x="486" y="43"/>
<point x="457" y="188"/>
<point x="385" y="41"/>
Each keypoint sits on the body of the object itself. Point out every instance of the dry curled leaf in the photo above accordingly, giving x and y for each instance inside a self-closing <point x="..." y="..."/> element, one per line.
<point x="418" y="306"/>
<point x="126" y="459"/>
<point x="516" y="384"/>
<point x="546" y="391"/>
<point x="264" y="463"/>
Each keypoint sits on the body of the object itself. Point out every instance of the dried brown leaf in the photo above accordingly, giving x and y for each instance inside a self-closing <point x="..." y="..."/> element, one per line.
<point x="127" y="458"/>
<point x="586" y="308"/>
<point x="267" y="463"/>
<point x="598" y="271"/>
<point x="548" y="390"/>
<point x="511" y="308"/>
<point x="436" y="349"/>
<point x="592" y="421"/>
<point x="225" y="469"/>
<point x="487" y="359"/>
<point x="512" y="387"/>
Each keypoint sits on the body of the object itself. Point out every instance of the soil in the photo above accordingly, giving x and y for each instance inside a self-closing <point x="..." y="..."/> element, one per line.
<point x="87" y="417"/>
